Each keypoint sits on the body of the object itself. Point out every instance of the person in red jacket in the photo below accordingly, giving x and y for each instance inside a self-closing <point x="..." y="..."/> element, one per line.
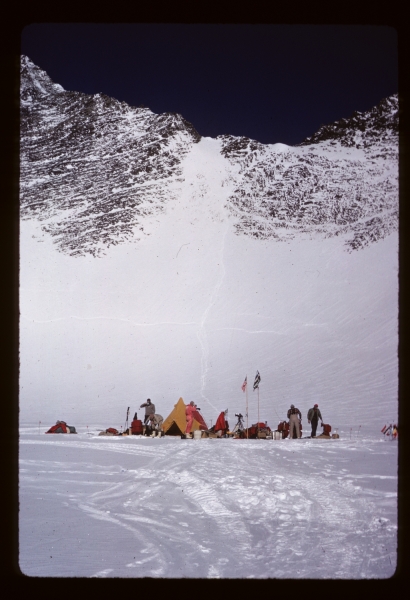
<point x="189" y="414"/>
<point x="222" y="425"/>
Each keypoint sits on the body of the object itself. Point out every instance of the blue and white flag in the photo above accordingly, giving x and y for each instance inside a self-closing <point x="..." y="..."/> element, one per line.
<point x="257" y="380"/>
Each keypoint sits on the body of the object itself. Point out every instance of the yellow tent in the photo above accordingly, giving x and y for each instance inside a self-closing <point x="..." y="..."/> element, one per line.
<point x="175" y="423"/>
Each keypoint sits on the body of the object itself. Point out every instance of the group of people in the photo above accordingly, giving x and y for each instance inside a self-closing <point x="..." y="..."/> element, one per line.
<point x="152" y="420"/>
<point x="295" y="418"/>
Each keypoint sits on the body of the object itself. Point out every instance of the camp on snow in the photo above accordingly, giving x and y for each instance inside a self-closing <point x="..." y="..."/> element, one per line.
<point x="176" y="425"/>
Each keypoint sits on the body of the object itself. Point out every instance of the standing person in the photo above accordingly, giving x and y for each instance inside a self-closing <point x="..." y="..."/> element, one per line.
<point x="313" y="416"/>
<point x="155" y="423"/>
<point x="189" y="414"/>
<point x="294" y="415"/>
<point x="149" y="409"/>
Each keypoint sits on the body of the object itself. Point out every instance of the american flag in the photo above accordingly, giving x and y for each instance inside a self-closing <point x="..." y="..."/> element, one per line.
<point x="257" y="380"/>
<point x="245" y="383"/>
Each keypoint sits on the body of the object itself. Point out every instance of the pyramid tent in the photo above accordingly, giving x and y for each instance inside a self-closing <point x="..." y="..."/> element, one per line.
<point x="175" y="423"/>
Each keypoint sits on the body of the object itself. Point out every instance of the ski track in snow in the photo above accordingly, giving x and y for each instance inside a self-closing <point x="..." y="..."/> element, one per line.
<point x="213" y="508"/>
<point x="201" y="334"/>
<point x="207" y="184"/>
<point x="129" y="321"/>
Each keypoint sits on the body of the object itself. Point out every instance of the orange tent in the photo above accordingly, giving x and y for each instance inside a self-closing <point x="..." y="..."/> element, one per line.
<point x="175" y="423"/>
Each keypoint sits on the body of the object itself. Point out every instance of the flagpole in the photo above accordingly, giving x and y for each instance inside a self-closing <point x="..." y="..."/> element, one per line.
<point x="247" y="426"/>
<point x="256" y="385"/>
<point x="258" y="411"/>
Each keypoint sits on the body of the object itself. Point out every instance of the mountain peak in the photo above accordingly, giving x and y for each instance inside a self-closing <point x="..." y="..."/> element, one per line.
<point x="101" y="163"/>
<point x="34" y="81"/>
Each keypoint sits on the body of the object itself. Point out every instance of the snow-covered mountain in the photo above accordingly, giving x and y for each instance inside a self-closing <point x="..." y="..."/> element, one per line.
<point x="95" y="164"/>
<point x="156" y="263"/>
<point x="100" y="167"/>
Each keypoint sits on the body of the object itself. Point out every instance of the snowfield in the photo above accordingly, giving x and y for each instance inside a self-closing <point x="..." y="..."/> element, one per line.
<point x="93" y="506"/>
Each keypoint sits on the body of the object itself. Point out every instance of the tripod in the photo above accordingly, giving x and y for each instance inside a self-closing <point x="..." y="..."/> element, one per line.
<point x="239" y="426"/>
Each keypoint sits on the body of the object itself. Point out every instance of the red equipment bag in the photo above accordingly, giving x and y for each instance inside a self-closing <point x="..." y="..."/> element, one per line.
<point x="136" y="427"/>
<point x="326" y="429"/>
<point x="284" y="428"/>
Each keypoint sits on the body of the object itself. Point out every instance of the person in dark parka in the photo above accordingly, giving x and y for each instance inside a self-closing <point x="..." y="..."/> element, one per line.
<point x="313" y="416"/>
<point x="149" y="410"/>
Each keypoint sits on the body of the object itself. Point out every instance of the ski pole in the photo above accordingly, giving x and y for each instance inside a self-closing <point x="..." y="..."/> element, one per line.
<point x="39" y="426"/>
<point x="358" y="431"/>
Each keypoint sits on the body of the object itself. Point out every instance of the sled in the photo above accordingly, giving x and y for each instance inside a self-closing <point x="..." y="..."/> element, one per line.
<point x="258" y="431"/>
<point x="208" y="434"/>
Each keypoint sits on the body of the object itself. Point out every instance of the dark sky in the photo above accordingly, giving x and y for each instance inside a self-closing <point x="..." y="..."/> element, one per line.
<point x="272" y="83"/>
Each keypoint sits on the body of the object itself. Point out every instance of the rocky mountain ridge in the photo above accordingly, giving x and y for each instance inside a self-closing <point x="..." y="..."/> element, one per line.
<point x="93" y="169"/>
<point x="342" y="180"/>
<point x="362" y="130"/>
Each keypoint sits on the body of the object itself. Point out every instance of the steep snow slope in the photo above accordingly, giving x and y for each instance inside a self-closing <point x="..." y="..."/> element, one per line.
<point x="194" y="305"/>
<point x="189" y="312"/>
